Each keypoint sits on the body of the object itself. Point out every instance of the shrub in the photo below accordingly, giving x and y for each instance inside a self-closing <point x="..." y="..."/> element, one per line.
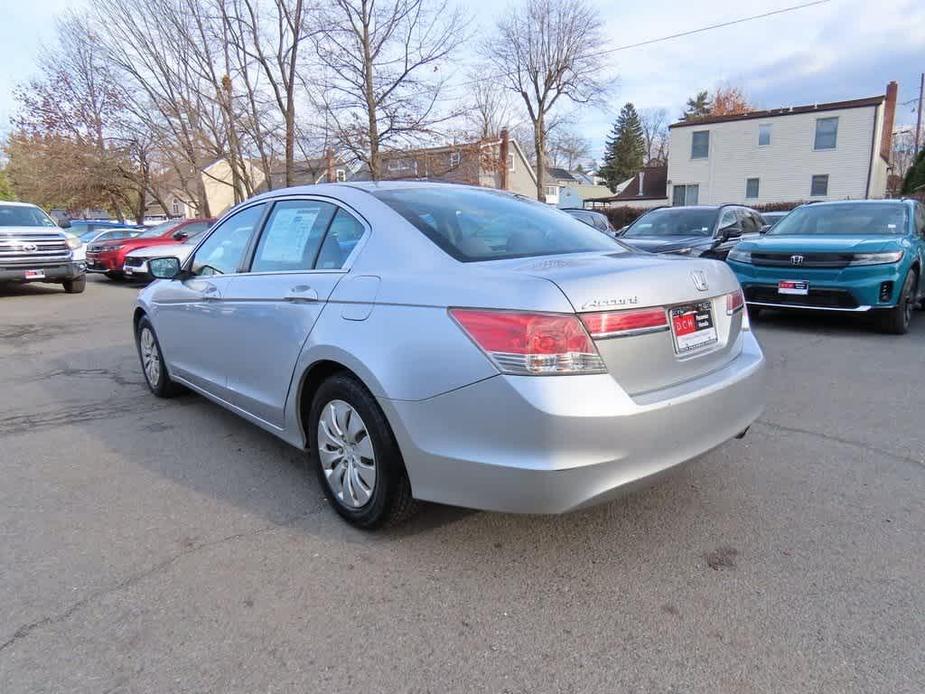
<point x="621" y="216"/>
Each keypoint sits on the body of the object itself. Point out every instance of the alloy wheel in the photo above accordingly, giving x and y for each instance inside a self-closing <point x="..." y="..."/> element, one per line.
<point x="150" y="358"/>
<point x="346" y="452"/>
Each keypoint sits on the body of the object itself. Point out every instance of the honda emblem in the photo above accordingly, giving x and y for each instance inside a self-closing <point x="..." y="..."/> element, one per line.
<point x="700" y="280"/>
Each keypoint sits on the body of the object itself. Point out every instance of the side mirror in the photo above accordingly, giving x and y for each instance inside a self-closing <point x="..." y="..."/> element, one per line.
<point x="180" y="235"/>
<point x="731" y="232"/>
<point x="64" y="223"/>
<point x="164" y="268"/>
<point x="765" y="229"/>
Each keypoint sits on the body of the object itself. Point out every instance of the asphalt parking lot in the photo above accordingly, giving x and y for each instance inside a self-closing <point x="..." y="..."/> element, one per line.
<point x="168" y="546"/>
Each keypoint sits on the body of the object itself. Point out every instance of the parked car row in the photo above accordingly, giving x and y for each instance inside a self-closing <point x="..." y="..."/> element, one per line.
<point x="108" y="256"/>
<point x="864" y="256"/>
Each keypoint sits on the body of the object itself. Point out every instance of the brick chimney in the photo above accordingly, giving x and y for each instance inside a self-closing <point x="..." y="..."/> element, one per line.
<point x="329" y="165"/>
<point x="505" y="149"/>
<point x="889" y="112"/>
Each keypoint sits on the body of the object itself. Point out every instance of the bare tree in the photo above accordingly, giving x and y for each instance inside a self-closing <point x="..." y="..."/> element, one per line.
<point x="546" y="50"/>
<point x="566" y="148"/>
<point x="490" y="107"/>
<point x="274" y="44"/>
<point x="655" y="134"/>
<point x="383" y="59"/>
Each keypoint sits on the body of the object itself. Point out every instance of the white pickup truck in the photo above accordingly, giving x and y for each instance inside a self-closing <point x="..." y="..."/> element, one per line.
<point x="34" y="249"/>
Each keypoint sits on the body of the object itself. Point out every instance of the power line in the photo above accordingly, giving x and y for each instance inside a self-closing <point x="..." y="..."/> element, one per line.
<point x="670" y="37"/>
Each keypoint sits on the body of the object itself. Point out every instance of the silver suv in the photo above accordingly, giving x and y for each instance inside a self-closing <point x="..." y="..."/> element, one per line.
<point x="34" y="249"/>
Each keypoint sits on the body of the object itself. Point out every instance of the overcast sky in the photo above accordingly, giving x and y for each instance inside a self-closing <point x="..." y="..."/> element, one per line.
<point x="843" y="49"/>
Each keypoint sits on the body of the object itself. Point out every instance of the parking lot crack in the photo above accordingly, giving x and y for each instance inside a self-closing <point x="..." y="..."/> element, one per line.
<point x="838" y="439"/>
<point x="165" y="564"/>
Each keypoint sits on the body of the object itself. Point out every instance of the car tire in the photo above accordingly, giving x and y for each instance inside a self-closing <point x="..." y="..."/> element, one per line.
<point x="115" y="276"/>
<point x="152" y="361"/>
<point x="896" y="320"/>
<point x="356" y="457"/>
<point x="76" y="285"/>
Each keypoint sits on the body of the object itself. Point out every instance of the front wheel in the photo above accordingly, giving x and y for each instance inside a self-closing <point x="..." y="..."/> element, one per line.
<point x="76" y="285"/>
<point x="152" y="361"/>
<point x="356" y="458"/>
<point x="896" y="320"/>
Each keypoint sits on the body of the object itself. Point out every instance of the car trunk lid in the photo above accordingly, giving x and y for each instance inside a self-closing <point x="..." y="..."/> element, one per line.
<point x="642" y="361"/>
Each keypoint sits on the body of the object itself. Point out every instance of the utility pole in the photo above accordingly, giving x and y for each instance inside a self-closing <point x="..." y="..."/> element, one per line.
<point x="918" y="122"/>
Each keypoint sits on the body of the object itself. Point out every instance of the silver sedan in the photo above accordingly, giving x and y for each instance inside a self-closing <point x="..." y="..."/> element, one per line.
<point x="452" y="344"/>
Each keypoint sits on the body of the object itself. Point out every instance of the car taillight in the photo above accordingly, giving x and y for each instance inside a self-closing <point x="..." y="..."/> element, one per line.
<point x="625" y="323"/>
<point x="734" y="302"/>
<point x="530" y="344"/>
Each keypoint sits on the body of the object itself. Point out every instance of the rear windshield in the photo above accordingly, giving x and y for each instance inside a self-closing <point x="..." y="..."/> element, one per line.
<point x="668" y="222"/>
<point x="843" y="218"/>
<point x="472" y="224"/>
<point x="24" y="216"/>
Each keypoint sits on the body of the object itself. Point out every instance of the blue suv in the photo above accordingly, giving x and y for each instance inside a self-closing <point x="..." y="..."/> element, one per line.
<point x="851" y="255"/>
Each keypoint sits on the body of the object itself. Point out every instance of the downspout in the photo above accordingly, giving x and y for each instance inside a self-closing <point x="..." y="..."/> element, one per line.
<point x="873" y="154"/>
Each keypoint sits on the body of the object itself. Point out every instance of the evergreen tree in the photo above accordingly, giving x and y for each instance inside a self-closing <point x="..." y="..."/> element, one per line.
<point x="698" y="106"/>
<point x="915" y="176"/>
<point x="625" y="150"/>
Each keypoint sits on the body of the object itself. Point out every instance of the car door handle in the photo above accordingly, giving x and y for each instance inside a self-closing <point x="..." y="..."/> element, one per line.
<point x="210" y="293"/>
<point x="302" y="294"/>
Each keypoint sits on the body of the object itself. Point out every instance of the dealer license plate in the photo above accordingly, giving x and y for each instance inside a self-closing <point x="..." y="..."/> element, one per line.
<point x="795" y="287"/>
<point x="692" y="326"/>
<point x="35" y="274"/>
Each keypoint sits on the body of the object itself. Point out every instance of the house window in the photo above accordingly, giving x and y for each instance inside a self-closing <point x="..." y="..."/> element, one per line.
<point x="552" y="191"/>
<point x="454" y="158"/>
<point x="826" y="133"/>
<point x="399" y="164"/>
<point x="176" y="208"/>
<point x="820" y="185"/>
<point x="510" y="161"/>
<point x="700" y="144"/>
<point x="340" y="175"/>
<point x="685" y="195"/>
<point x="751" y="187"/>
<point x="764" y="134"/>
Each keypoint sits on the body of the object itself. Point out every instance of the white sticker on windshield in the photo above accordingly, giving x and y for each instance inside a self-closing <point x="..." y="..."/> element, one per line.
<point x="890" y="226"/>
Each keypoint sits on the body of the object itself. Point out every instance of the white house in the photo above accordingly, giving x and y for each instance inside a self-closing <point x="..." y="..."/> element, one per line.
<point x="819" y="152"/>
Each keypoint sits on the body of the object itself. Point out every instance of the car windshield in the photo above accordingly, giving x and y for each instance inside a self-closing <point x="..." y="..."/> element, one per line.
<point x="472" y="225"/>
<point x="843" y="218"/>
<point x="159" y="230"/>
<point x="674" y="222"/>
<point x="24" y="216"/>
<point x="88" y="235"/>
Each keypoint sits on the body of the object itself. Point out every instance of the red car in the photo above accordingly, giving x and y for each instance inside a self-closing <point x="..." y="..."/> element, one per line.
<point x="108" y="256"/>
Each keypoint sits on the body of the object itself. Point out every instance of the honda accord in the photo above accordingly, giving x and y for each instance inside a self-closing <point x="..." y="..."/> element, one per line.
<point x="426" y="341"/>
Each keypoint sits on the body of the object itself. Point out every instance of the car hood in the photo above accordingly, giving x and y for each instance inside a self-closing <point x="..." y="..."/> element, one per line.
<point x="134" y="243"/>
<point x="822" y="244"/>
<point x="30" y="231"/>
<point x="665" y="244"/>
<point x="176" y="250"/>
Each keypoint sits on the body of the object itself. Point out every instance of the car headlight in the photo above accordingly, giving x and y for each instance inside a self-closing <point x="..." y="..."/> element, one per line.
<point x="114" y="248"/>
<point x="740" y="256"/>
<point x="74" y="243"/>
<point x="877" y="258"/>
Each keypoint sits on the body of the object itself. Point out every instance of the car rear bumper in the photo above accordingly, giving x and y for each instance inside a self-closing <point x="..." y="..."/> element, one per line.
<point x="852" y="289"/>
<point x="53" y="273"/>
<point x="554" y="444"/>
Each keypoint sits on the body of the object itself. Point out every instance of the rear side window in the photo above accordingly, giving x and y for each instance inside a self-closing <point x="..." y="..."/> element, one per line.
<point x="472" y="225"/>
<point x="292" y="236"/>
<point x="343" y="235"/>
